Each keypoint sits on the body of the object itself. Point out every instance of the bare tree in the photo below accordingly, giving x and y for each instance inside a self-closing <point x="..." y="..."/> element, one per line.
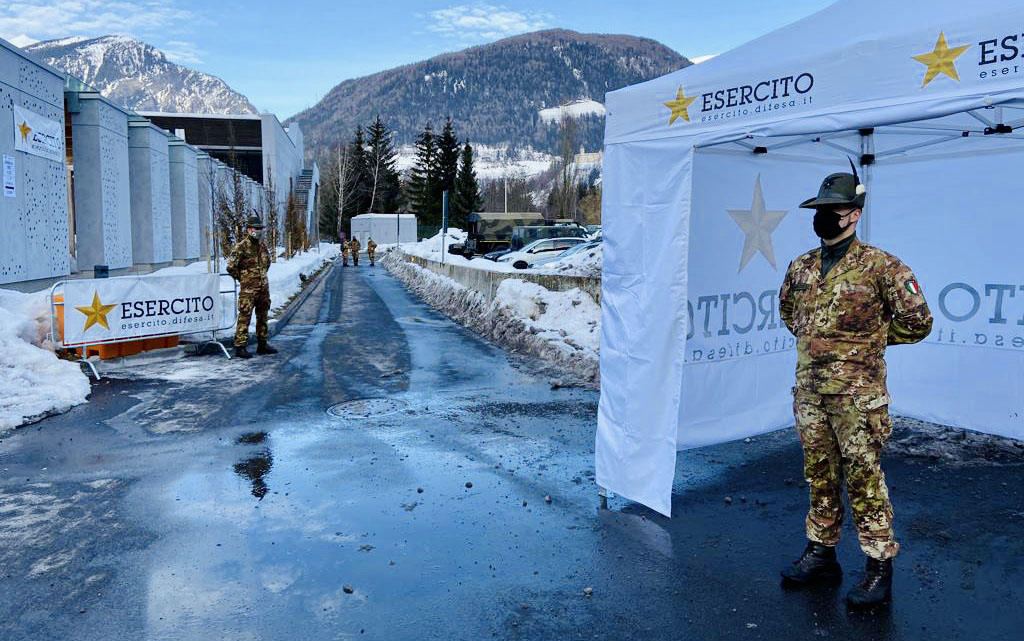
<point x="270" y="193"/>
<point x="566" y="198"/>
<point x="345" y="177"/>
<point x="232" y="211"/>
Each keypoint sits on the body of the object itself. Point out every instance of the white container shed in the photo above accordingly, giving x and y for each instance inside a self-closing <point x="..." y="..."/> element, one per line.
<point x="384" y="228"/>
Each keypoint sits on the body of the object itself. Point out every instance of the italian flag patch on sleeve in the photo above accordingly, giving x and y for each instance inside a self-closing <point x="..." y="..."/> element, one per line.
<point x="913" y="287"/>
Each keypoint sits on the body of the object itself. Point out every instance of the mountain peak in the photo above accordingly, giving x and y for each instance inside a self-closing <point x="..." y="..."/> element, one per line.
<point x="138" y="76"/>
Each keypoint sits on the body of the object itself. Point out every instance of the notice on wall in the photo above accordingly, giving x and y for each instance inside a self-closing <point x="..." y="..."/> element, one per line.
<point x="10" y="178"/>
<point x="38" y="135"/>
<point x="112" y="309"/>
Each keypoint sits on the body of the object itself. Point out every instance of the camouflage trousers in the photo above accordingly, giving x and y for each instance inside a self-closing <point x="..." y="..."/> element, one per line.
<point x="842" y="437"/>
<point x="372" y="255"/>
<point x="355" y="259"/>
<point x="247" y="301"/>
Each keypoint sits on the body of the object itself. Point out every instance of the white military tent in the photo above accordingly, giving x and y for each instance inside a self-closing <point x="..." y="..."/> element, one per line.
<point x="704" y="169"/>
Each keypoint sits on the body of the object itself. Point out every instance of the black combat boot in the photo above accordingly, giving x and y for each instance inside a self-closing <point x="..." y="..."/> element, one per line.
<point x="817" y="564"/>
<point x="875" y="586"/>
<point x="241" y="352"/>
<point x="265" y="348"/>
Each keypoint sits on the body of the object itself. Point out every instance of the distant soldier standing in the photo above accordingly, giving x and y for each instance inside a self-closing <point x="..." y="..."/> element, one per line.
<point x="355" y="247"/>
<point x="371" y="250"/>
<point x="249" y="264"/>
<point x="846" y="301"/>
<point x="344" y="253"/>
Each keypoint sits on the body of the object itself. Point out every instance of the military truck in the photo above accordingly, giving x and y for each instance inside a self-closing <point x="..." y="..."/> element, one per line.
<point x="523" y="235"/>
<point x="490" y="231"/>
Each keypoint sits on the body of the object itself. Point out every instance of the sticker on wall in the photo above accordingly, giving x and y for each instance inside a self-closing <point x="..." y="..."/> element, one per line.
<point x="38" y="135"/>
<point x="10" y="180"/>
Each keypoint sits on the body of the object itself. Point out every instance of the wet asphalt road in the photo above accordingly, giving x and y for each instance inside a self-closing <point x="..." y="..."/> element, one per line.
<point x="214" y="499"/>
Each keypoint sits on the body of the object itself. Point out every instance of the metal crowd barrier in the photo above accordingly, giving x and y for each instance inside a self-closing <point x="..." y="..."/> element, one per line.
<point x="58" y="343"/>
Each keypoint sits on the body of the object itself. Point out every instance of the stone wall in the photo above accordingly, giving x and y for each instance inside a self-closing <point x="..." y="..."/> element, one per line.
<point x="486" y="282"/>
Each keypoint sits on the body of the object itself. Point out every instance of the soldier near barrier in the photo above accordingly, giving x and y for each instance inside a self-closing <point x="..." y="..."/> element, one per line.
<point x="371" y="250"/>
<point x="355" y="247"/>
<point x="344" y="253"/>
<point x="248" y="264"/>
<point x="845" y="302"/>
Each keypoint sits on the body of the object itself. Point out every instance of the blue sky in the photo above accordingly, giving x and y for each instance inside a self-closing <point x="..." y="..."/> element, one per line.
<point x="286" y="55"/>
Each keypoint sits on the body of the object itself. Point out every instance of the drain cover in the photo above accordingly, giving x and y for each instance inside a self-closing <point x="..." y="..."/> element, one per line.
<point x="367" y="408"/>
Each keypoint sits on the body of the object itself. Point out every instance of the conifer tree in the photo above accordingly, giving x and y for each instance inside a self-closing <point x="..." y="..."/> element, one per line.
<point x="360" y="201"/>
<point x="447" y="158"/>
<point x="423" y="192"/>
<point x="466" y="197"/>
<point x="381" y="157"/>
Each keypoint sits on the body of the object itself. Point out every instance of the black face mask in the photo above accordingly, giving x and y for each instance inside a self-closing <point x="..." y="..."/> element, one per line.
<point x="826" y="224"/>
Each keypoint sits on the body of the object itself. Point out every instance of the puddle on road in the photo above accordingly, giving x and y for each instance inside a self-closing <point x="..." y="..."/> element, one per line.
<point x="250" y="438"/>
<point x="254" y="469"/>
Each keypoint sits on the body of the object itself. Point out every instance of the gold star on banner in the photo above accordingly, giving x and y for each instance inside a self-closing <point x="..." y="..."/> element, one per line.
<point x="679" y="106"/>
<point x="940" y="60"/>
<point x="25" y="131"/>
<point x="97" y="313"/>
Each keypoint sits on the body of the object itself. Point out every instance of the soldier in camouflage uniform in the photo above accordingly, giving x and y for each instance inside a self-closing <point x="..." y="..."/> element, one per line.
<point x="355" y="247"/>
<point x="371" y="250"/>
<point x="845" y="302"/>
<point x="344" y="253"/>
<point x="248" y="264"/>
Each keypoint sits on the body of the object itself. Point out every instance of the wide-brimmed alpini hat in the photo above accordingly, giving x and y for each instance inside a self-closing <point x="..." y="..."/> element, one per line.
<point x="839" y="189"/>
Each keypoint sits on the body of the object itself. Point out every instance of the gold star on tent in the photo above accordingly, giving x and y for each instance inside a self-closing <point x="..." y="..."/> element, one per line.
<point x="97" y="313"/>
<point x="941" y="60"/>
<point x="25" y="131"/>
<point x="679" y="106"/>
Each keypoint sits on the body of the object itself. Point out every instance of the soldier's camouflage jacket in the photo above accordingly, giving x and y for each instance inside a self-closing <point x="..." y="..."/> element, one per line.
<point x="354" y="245"/>
<point x="844" y="320"/>
<point x="249" y="263"/>
<point x="371" y="246"/>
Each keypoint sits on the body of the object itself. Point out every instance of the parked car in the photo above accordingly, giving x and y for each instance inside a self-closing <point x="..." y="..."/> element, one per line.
<point x="581" y="247"/>
<point x="538" y="249"/>
<point x="495" y="255"/>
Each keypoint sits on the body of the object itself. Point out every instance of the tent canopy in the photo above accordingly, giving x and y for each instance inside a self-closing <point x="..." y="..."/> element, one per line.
<point x="703" y="169"/>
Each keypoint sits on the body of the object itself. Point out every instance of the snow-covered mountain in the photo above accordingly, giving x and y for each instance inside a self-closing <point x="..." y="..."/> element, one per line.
<point x="139" y="77"/>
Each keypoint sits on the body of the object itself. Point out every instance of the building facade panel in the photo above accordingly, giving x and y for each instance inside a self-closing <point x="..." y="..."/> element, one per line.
<point x="184" y="202"/>
<point x="150" y="194"/>
<point x="35" y="243"/>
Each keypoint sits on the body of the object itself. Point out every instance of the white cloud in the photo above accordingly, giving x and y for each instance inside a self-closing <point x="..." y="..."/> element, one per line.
<point x="182" y="52"/>
<point x="49" y="19"/>
<point x="485" y="21"/>
<point x="700" y="59"/>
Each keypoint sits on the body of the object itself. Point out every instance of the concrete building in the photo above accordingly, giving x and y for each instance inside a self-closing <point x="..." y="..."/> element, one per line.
<point x="87" y="183"/>
<point x="36" y="241"/>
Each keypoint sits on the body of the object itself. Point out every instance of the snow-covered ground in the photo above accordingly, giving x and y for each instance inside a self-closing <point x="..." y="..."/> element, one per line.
<point x="573" y="110"/>
<point x="491" y="162"/>
<point x="35" y="383"/>
<point x="283" y="275"/>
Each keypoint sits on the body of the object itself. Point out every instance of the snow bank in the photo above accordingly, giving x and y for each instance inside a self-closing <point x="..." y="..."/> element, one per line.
<point x="562" y="328"/>
<point x="33" y="381"/>
<point x="283" y="275"/>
